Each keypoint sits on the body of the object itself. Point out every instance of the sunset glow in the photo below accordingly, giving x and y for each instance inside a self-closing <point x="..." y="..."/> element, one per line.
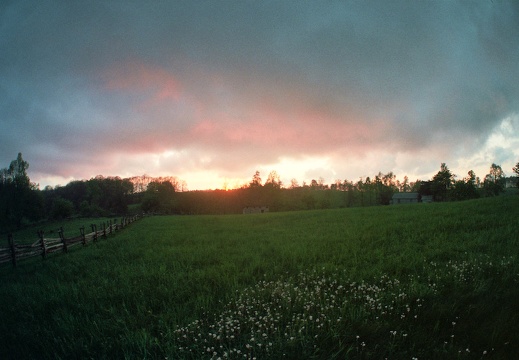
<point x="210" y="94"/>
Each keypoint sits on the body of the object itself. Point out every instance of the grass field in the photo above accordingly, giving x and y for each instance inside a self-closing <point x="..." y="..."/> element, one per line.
<point x="70" y="227"/>
<point x="425" y="281"/>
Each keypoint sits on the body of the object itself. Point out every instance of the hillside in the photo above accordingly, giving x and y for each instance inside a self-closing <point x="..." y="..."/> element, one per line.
<point x="422" y="281"/>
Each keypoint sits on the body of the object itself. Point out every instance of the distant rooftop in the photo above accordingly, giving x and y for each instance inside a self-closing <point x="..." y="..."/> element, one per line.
<point x="405" y="195"/>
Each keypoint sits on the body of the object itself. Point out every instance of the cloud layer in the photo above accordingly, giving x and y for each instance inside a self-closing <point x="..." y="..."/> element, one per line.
<point x="209" y="91"/>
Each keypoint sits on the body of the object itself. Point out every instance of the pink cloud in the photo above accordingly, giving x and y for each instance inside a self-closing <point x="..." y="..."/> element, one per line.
<point x="295" y="127"/>
<point x="233" y="121"/>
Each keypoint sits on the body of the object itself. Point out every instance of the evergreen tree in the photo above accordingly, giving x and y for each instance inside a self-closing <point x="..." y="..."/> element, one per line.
<point x="20" y="201"/>
<point x="441" y="183"/>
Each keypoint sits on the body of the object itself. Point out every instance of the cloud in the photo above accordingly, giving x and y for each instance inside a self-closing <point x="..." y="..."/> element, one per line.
<point x="223" y="88"/>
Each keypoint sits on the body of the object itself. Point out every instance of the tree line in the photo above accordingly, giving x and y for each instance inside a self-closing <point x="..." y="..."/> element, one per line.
<point x="369" y="191"/>
<point x="22" y="202"/>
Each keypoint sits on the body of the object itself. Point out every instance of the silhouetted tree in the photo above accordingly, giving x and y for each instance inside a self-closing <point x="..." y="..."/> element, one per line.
<point x="425" y="188"/>
<point x="271" y="191"/>
<point x="465" y="189"/>
<point x="384" y="186"/>
<point x="99" y="196"/>
<point x="415" y="186"/>
<point x="359" y="187"/>
<point x="494" y="182"/>
<point x="441" y="183"/>
<point x="368" y="187"/>
<point x="256" y="180"/>
<point x="405" y="186"/>
<point x="75" y="191"/>
<point x="159" y="197"/>
<point x="351" y="193"/>
<point x="294" y="184"/>
<point x="62" y="208"/>
<point x="20" y="201"/>
<point x="273" y="180"/>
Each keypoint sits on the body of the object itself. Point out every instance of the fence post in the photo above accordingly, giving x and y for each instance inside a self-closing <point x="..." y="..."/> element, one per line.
<point x="12" y="247"/>
<point x="63" y="240"/>
<point x="42" y="243"/>
<point x="110" y="228"/>
<point x="94" y="230"/>
<point x="83" y="238"/>
<point x="104" y="229"/>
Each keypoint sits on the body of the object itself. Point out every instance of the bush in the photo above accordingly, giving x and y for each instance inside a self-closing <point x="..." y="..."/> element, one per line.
<point x="62" y="208"/>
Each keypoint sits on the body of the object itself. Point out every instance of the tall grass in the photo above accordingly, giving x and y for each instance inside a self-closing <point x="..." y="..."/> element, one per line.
<point x="416" y="281"/>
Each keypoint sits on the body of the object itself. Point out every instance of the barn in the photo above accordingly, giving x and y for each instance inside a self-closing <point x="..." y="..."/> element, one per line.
<point x="255" y="209"/>
<point x="405" y="198"/>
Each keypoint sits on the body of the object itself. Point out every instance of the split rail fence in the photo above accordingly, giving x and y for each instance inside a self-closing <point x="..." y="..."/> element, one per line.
<point x="44" y="246"/>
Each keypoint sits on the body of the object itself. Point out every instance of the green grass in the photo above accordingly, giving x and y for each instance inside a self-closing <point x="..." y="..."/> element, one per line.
<point x="429" y="281"/>
<point x="70" y="227"/>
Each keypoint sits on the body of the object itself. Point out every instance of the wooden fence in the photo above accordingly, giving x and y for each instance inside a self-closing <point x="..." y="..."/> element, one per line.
<point x="44" y="246"/>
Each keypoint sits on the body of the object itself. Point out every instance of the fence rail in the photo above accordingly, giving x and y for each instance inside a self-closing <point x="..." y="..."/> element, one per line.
<point x="44" y="246"/>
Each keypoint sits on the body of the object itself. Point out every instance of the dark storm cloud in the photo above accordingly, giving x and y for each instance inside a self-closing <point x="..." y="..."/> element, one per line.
<point x="86" y="83"/>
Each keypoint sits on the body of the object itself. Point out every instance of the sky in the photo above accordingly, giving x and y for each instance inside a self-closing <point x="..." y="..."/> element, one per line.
<point x="211" y="91"/>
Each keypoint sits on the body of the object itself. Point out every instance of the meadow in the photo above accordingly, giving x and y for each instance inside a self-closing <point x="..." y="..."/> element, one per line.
<point x="424" y="281"/>
<point x="70" y="227"/>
